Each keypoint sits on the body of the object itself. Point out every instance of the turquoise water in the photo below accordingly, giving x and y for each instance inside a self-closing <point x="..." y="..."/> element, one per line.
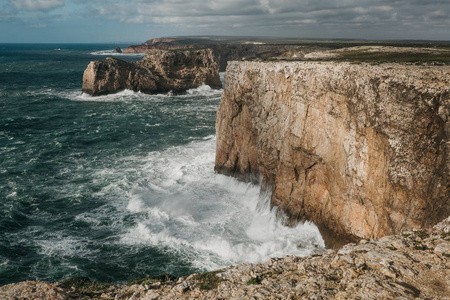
<point x="118" y="186"/>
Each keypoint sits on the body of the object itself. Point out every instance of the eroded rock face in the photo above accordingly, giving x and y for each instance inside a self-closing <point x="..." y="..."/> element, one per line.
<point x="361" y="150"/>
<point x="159" y="72"/>
<point x="223" y="51"/>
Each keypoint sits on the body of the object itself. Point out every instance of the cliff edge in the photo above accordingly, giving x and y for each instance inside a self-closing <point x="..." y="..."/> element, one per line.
<point x="360" y="149"/>
<point x="159" y="72"/>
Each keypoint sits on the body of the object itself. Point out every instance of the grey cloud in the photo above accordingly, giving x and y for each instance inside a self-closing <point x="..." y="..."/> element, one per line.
<point x="317" y="18"/>
<point x="36" y="5"/>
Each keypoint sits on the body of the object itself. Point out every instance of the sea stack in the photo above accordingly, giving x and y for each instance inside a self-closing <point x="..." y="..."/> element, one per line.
<point x="160" y="71"/>
<point x="360" y="149"/>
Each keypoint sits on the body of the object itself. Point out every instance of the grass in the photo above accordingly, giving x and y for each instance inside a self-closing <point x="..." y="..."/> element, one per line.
<point x="153" y="279"/>
<point x="418" y="58"/>
<point x="257" y="279"/>
<point x="208" y="280"/>
<point x="84" y="287"/>
<point x="422" y="234"/>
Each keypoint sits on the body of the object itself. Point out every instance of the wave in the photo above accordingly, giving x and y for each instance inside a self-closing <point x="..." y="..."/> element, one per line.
<point x="129" y="95"/>
<point x="212" y="219"/>
<point x="112" y="53"/>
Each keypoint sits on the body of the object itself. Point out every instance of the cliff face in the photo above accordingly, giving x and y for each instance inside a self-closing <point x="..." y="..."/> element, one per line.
<point x="224" y="52"/>
<point x="361" y="150"/>
<point x="159" y="72"/>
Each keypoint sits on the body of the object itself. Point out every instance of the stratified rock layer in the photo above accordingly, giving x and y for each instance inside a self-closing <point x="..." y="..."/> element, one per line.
<point x="361" y="150"/>
<point x="159" y="72"/>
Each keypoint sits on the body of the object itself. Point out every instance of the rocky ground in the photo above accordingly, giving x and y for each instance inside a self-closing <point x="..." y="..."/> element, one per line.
<point x="414" y="265"/>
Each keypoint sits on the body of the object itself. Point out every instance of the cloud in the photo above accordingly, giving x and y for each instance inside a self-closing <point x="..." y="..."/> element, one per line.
<point x="36" y="5"/>
<point x="265" y="13"/>
<point x="371" y="19"/>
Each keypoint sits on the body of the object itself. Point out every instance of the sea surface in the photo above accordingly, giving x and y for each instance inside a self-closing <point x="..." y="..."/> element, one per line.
<point x="120" y="186"/>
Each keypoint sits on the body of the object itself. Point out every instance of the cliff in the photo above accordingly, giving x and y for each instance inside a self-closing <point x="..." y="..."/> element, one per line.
<point x="159" y="72"/>
<point x="360" y="149"/>
<point x="414" y="265"/>
<point x="223" y="49"/>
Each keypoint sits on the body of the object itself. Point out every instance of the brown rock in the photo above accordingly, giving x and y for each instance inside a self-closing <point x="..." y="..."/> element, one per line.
<point x="224" y="51"/>
<point x="159" y="72"/>
<point x="361" y="150"/>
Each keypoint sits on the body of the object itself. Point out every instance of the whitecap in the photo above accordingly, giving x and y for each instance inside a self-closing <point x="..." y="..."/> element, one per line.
<point x="204" y="90"/>
<point x="112" y="53"/>
<point x="214" y="220"/>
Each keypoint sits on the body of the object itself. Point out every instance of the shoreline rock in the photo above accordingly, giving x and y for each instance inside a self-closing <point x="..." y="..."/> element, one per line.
<point x="159" y="72"/>
<point x="414" y="265"/>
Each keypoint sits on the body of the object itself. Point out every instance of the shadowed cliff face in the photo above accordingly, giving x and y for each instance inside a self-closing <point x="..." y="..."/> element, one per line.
<point x="159" y="72"/>
<point x="361" y="150"/>
<point x="223" y="52"/>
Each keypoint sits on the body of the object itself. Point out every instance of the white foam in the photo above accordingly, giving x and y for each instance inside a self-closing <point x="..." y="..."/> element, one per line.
<point x="57" y="245"/>
<point x="204" y="90"/>
<point x="112" y="53"/>
<point x="129" y="95"/>
<point x="122" y="96"/>
<point x="212" y="219"/>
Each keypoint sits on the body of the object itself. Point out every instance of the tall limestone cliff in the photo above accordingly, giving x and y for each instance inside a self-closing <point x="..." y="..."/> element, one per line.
<point x="362" y="150"/>
<point x="159" y="72"/>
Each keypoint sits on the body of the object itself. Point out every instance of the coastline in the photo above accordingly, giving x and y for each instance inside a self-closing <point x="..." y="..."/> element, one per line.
<point x="413" y="265"/>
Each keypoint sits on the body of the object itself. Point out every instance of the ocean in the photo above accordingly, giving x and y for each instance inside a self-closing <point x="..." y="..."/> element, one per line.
<point x="121" y="186"/>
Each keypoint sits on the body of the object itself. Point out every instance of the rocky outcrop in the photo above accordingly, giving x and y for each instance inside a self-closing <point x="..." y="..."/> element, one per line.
<point x="159" y="72"/>
<point x="414" y="265"/>
<point x="224" y="50"/>
<point x="362" y="150"/>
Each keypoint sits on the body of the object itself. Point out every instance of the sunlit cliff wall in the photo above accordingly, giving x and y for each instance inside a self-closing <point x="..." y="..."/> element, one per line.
<point x="361" y="150"/>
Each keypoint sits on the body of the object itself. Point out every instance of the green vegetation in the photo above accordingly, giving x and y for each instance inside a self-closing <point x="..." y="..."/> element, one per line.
<point x="153" y="279"/>
<point x="422" y="234"/>
<point x="439" y="58"/>
<point x="256" y="280"/>
<point x="84" y="287"/>
<point x="422" y="247"/>
<point x="208" y="280"/>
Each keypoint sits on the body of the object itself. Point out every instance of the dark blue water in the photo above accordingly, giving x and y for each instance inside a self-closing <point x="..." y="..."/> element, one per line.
<point x="119" y="186"/>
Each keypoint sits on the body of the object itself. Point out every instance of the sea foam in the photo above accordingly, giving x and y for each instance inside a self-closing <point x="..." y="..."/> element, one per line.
<point x="211" y="219"/>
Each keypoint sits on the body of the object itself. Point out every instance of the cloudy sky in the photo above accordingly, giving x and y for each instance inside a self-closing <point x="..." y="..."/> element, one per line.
<point x="62" y="21"/>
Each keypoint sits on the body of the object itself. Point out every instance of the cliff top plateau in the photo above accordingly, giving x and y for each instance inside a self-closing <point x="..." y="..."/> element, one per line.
<point x="236" y="48"/>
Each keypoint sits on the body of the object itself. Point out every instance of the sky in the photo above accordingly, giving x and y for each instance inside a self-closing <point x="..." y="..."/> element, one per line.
<point x="135" y="21"/>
